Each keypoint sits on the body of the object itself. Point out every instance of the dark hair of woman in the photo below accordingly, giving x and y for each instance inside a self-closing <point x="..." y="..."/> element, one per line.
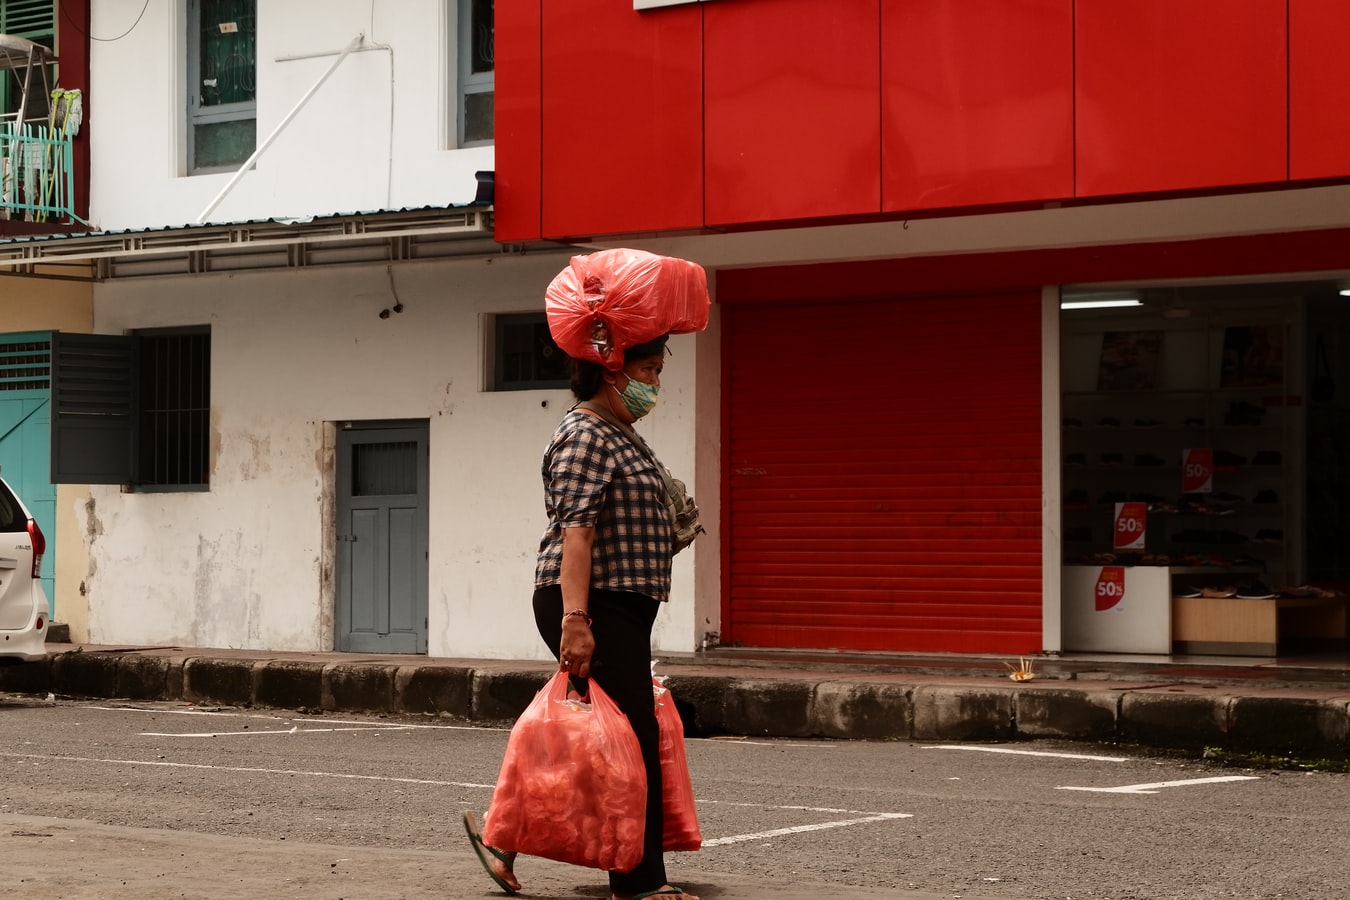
<point x="586" y="375"/>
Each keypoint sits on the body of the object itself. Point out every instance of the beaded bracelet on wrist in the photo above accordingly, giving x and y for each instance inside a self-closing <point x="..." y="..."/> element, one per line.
<point x="577" y="612"/>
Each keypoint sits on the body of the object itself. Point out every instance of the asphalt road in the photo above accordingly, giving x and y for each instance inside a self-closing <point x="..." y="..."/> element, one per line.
<point x="166" y="800"/>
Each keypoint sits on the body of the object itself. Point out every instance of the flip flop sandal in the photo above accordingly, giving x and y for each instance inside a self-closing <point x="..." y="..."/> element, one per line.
<point x="476" y="838"/>
<point x="663" y="892"/>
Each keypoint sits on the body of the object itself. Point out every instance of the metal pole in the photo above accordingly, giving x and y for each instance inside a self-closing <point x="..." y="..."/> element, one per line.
<point x="248" y="163"/>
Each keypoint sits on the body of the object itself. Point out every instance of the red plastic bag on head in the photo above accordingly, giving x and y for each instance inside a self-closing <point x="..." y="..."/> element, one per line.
<point x="677" y="791"/>
<point x="572" y="786"/>
<point x="612" y="299"/>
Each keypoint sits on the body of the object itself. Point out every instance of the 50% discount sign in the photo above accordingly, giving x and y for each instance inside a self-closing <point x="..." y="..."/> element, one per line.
<point x="1110" y="589"/>
<point x="1197" y="471"/>
<point x="1129" y="526"/>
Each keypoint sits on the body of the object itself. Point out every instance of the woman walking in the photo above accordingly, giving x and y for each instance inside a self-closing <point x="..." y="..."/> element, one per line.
<point x="602" y="572"/>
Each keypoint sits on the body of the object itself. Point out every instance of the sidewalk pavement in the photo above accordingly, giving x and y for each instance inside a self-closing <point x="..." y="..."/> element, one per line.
<point x="1288" y="707"/>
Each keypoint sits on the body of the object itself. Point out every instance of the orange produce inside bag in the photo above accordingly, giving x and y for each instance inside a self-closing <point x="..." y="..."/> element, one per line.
<point x="572" y="786"/>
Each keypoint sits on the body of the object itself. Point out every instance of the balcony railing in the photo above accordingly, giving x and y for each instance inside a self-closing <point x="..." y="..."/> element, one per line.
<point x="37" y="174"/>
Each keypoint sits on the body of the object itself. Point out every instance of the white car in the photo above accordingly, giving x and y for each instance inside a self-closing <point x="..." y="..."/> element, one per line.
<point x="23" y="603"/>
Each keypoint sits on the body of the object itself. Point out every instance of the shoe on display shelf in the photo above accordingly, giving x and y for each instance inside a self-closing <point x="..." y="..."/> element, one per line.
<point x="1255" y="591"/>
<point x="1240" y="412"/>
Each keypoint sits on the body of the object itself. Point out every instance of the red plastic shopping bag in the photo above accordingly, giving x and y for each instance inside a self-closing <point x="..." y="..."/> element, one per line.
<point x="612" y="299"/>
<point x="677" y="791"/>
<point x="572" y="786"/>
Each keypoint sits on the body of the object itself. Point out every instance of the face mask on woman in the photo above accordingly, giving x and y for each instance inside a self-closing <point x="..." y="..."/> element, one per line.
<point x="638" y="397"/>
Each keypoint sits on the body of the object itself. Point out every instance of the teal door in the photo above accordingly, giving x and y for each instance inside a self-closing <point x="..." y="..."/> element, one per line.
<point x="25" y="435"/>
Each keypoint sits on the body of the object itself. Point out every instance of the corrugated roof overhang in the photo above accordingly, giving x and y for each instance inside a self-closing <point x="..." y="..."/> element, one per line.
<point x="383" y="236"/>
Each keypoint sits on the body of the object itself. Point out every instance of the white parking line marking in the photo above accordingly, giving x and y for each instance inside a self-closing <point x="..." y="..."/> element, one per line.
<point x="175" y="765"/>
<point x="295" y="729"/>
<point x="1152" y="788"/>
<point x="799" y="829"/>
<point x="980" y="749"/>
<point x="820" y="809"/>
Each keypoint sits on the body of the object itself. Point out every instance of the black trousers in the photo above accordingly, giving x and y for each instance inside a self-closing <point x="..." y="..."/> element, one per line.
<point x="622" y="666"/>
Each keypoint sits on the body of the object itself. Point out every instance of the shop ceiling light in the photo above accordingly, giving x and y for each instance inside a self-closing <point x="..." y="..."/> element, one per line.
<point x="1100" y="300"/>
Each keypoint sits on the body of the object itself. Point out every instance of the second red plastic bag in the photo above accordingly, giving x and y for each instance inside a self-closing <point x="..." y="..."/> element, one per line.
<point x="677" y="791"/>
<point x="572" y="786"/>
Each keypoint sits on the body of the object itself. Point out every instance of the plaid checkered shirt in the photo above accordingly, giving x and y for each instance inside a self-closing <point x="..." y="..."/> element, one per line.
<point x="594" y="476"/>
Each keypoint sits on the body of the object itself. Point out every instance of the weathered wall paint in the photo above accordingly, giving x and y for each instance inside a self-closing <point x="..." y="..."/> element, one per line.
<point x="248" y="563"/>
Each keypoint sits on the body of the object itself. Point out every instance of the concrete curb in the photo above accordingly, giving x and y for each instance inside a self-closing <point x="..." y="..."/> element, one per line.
<point x="1304" y="723"/>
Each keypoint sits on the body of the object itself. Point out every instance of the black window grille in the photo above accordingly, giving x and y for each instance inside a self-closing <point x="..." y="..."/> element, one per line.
<point x="175" y="408"/>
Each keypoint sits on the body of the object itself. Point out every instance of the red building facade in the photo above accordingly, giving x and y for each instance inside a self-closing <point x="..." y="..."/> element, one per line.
<point x="891" y="196"/>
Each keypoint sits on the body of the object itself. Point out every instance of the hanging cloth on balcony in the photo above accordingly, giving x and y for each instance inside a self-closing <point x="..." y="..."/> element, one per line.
<point x="67" y="112"/>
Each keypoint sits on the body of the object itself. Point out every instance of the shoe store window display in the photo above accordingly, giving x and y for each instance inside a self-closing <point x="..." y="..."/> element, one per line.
<point x="604" y="565"/>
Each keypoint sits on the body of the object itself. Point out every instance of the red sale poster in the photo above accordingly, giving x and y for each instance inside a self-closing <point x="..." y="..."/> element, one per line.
<point x="1129" y="530"/>
<point x="1110" y="590"/>
<point x="1197" y="471"/>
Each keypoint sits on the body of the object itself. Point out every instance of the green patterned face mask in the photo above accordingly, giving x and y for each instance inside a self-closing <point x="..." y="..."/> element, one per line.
<point x="638" y="397"/>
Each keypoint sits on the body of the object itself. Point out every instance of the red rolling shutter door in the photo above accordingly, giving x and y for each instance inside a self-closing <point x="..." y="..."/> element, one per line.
<point x="884" y="474"/>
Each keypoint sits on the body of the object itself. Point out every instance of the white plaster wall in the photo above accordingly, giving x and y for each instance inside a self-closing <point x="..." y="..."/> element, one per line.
<point x="245" y="564"/>
<point x="379" y="133"/>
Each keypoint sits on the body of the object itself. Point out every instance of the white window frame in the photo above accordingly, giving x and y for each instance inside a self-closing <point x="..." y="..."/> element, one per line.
<point x="469" y="82"/>
<point x="224" y="112"/>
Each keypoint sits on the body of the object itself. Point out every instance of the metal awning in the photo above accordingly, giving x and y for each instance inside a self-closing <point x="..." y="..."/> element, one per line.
<point x="384" y="236"/>
<point x="15" y="52"/>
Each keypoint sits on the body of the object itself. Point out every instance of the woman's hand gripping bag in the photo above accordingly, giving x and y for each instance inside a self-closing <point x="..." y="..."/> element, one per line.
<point x="677" y="791"/>
<point x="612" y="299"/>
<point x="572" y="786"/>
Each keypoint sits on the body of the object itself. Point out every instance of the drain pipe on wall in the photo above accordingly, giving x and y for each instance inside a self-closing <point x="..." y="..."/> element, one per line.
<point x="248" y="163"/>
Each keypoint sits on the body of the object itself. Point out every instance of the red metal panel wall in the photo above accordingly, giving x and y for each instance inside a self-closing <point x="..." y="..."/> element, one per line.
<point x="1180" y="95"/>
<point x="72" y="48"/>
<point x="516" y="123"/>
<point x="623" y="118"/>
<point x="792" y="119"/>
<point x="977" y="102"/>
<point x="884" y="474"/>
<point x="1319" y="89"/>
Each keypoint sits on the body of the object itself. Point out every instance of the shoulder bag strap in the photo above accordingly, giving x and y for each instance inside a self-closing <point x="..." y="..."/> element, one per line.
<point x="632" y="436"/>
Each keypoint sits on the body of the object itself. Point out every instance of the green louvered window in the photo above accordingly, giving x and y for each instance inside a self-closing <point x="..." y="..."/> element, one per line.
<point x="36" y="21"/>
<point x="222" y="83"/>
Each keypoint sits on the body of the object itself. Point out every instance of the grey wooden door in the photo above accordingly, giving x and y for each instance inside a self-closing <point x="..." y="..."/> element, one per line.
<point x="382" y="474"/>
